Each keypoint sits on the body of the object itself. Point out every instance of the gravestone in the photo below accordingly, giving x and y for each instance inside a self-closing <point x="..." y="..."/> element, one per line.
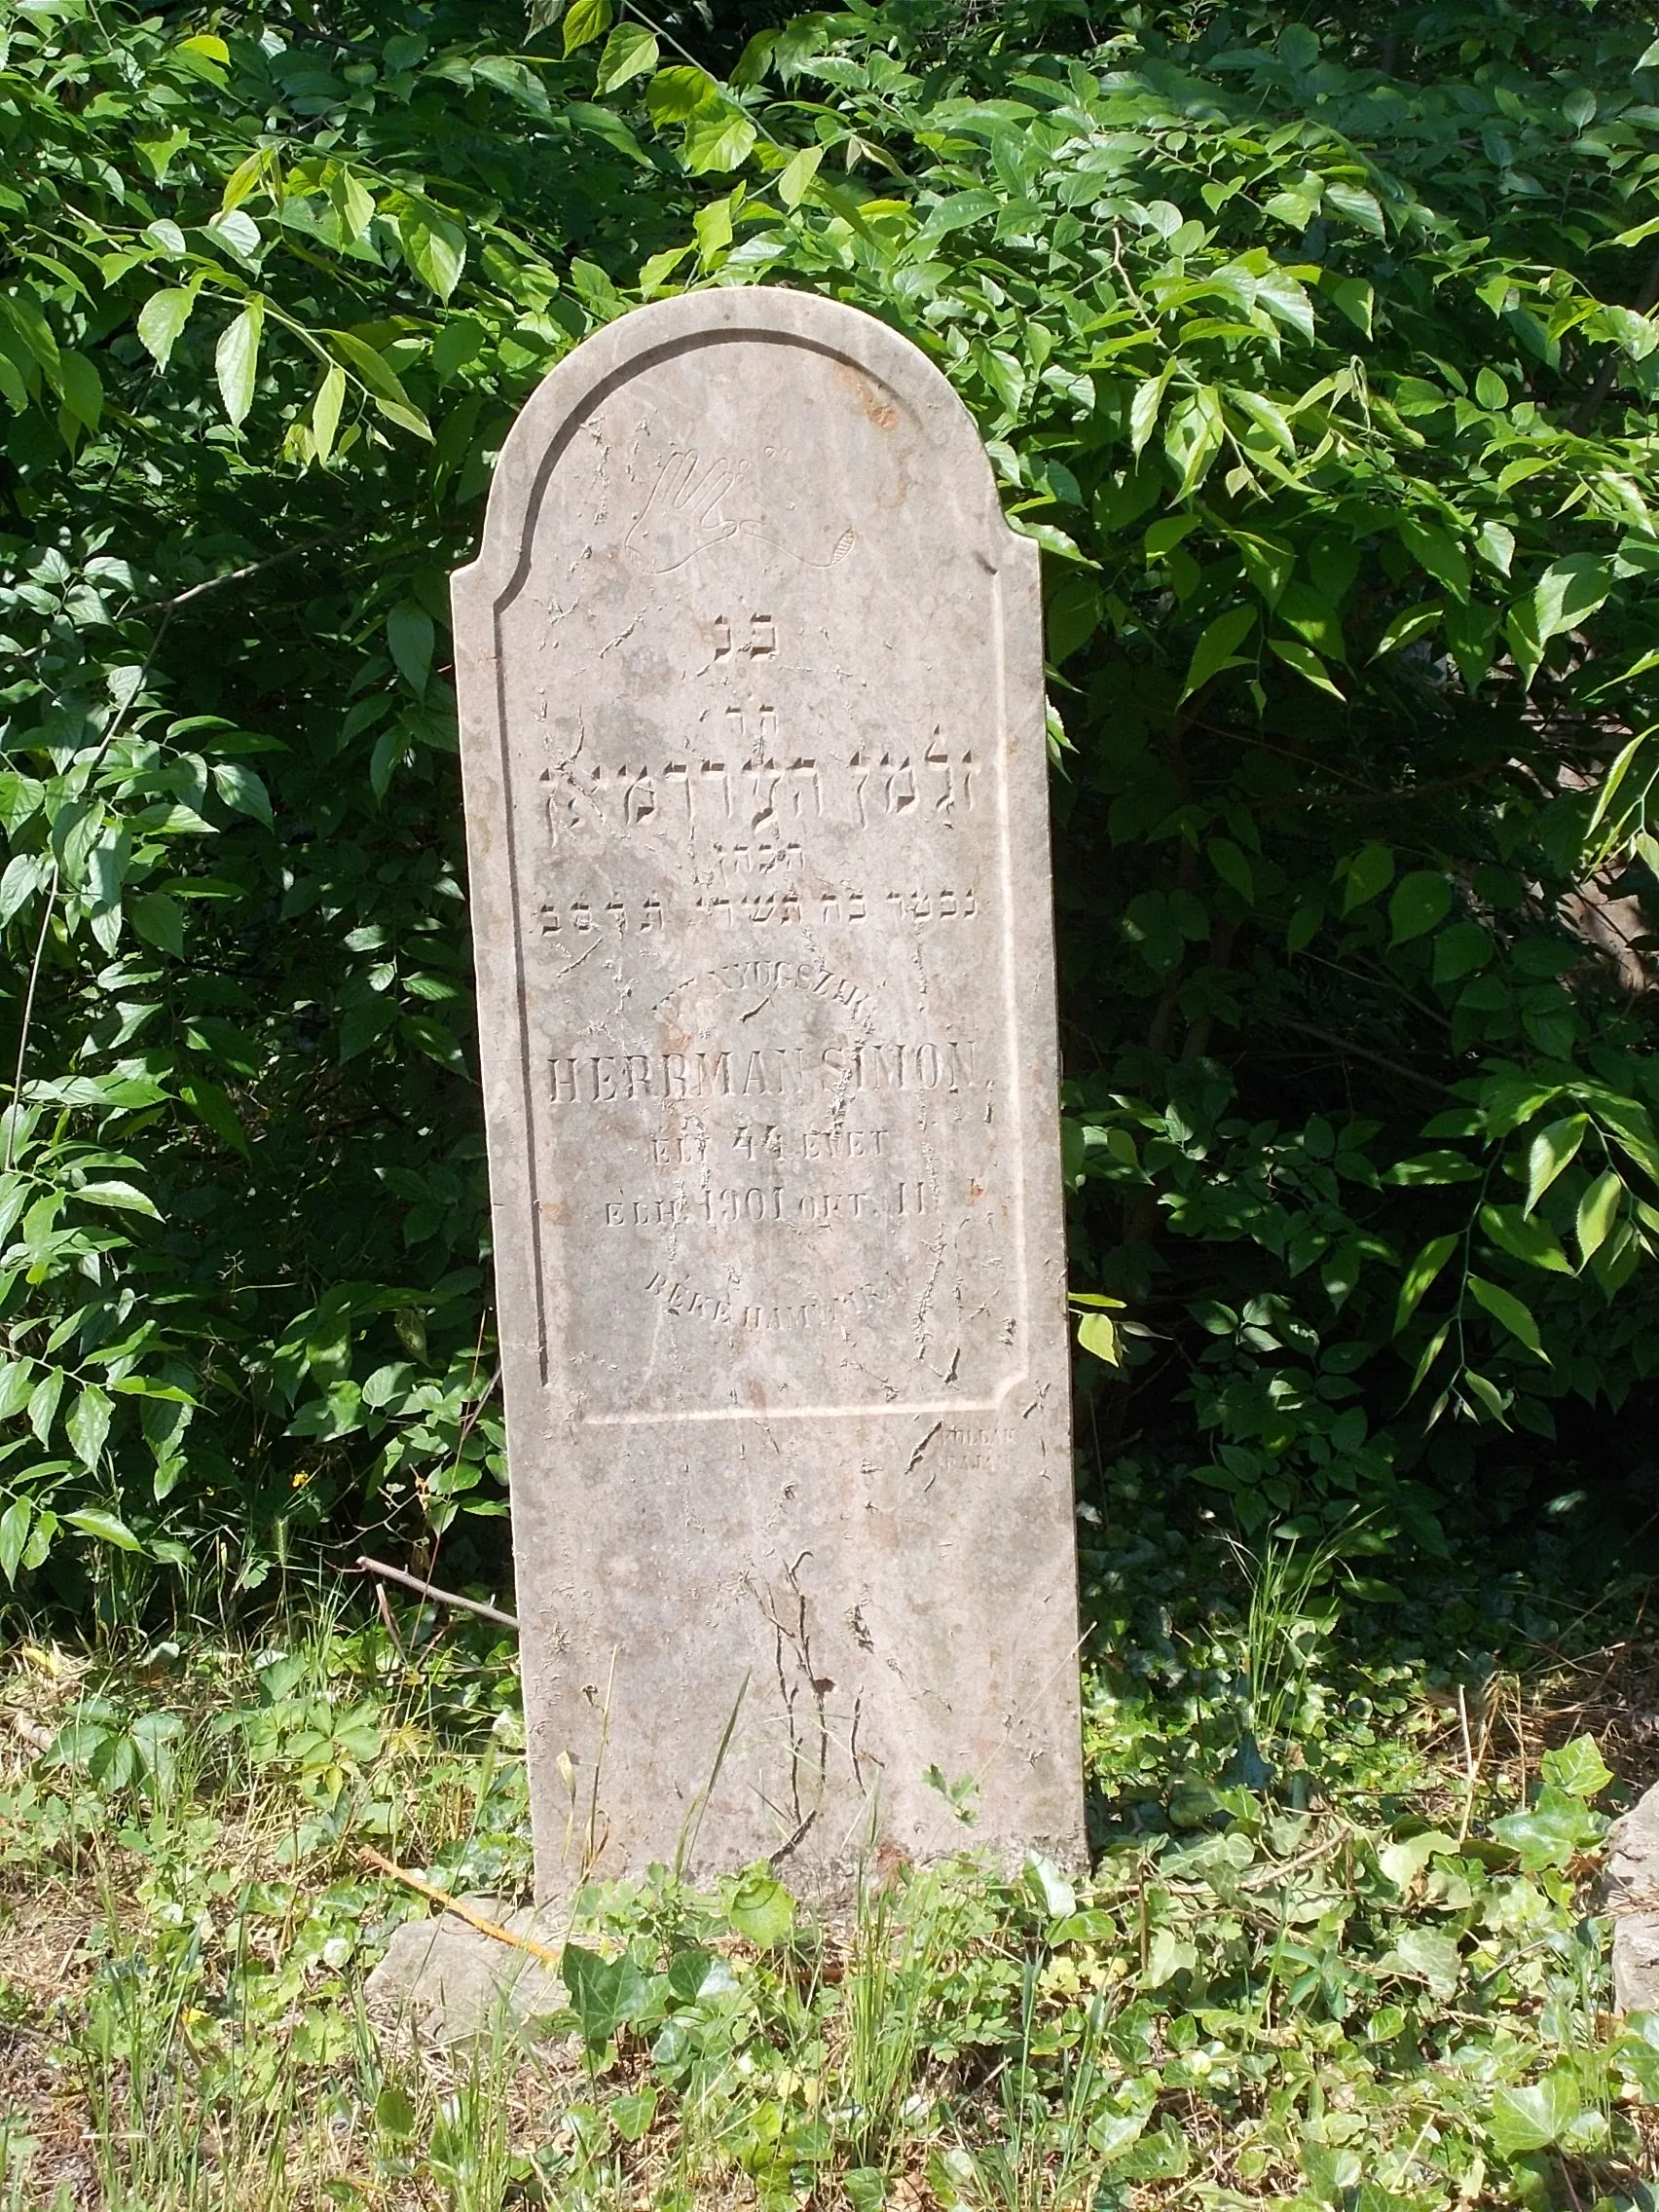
<point x="751" y="684"/>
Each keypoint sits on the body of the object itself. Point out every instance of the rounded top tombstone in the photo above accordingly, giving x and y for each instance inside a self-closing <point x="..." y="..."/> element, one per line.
<point x="752" y="735"/>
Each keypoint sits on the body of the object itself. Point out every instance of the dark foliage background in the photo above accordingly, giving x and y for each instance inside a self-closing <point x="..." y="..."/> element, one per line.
<point x="1317" y="352"/>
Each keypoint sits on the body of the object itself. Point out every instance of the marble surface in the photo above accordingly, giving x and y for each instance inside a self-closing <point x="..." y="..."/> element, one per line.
<point x="750" y="683"/>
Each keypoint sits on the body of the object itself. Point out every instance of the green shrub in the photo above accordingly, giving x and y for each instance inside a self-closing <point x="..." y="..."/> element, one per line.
<point x="1322" y="387"/>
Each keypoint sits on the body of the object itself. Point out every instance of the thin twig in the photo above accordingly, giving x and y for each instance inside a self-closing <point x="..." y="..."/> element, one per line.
<point x="242" y="575"/>
<point x="463" y="1911"/>
<point x="431" y="1590"/>
<point x="1361" y="1053"/>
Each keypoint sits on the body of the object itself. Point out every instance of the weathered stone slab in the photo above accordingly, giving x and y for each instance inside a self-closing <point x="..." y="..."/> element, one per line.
<point x="751" y="682"/>
<point x="1633" y="1898"/>
<point x="460" y="1985"/>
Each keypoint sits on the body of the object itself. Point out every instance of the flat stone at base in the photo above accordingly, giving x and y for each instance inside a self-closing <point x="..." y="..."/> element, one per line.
<point x="464" y="1985"/>
<point x="1632" y="1897"/>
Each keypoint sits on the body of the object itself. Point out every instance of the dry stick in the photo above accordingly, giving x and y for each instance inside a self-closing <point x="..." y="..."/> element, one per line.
<point x="460" y="1911"/>
<point x="431" y="1590"/>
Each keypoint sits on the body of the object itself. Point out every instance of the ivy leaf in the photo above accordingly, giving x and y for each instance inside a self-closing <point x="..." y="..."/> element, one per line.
<point x="1577" y="1767"/>
<point x="1550" y="1832"/>
<point x="1427" y="1955"/>
<point x="235" y="361"/>
<point x="1507" y="1310"/>
<point x="762" y="1910"/>
<point x="1534" y="2118"/>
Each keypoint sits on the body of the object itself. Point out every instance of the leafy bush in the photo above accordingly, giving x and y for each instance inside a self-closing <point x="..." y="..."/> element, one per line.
<point x="1320" y="374"/>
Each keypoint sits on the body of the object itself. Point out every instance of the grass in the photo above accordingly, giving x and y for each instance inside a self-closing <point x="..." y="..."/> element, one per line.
<point x="1340" y="1947"/>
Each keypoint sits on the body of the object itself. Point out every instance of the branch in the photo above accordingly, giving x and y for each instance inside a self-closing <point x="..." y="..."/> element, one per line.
<point x="242" y="575"/>
<point x="431" y="1590"/>
<point x="1584" y="413"/>
<point x="1361" y="1053"/>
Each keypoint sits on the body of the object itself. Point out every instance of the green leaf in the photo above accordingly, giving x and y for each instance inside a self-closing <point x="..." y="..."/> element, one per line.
<point x="796" y="175"/>
<point x="160" y="319"/>
<point x="433" y="247"/>
<point x="1577" y="1767"/>
<point x="1551" y="1832"/>
<point x="1418" y="1276"/>
<point x="1306" y="664"/>
<point x="1433" y="548"/>
<point x="242" y="790"/>
<point x="1370" y="871"/>
<point x="235" y="361"/>
<point x="674" y="95"/>
<point x="325" y="408"/>
<point x="394" y="2112"/>
<point x="1216" y="648"/>
<point x="584" y="22"/>
<point x="1460" y="950"/>
<point x="1507" y="1310"/>
<point x="88" y="1424"/>
<point x="718" y="143"/>
<point x="82" y="387"/>
<point x="762" y="1910"/>
<point x="43" y="1402"/>
<point x="107" y="1528"/>
<point x="126" y="1197"/>
<point x="1405" y="629"/>
<point x="383" y="386"/>
<point x="159" y="921"/>
<point x="1428" y="1955"/>
<point x="1598" y="1210"/>
<point x="411" y="636"/>
<point x="632" y="2113"/>
<point x="631" y="50"/>
<point x="1098" y="1333"/>
<point x="212" y="1108"/>
<point x="1534" y="2118"/>
<point x="605" y="1993"/>
<point x="14" y="1536"/>
<point x="1551" y="1151"/>
<point x="1232" y="864"/>
<point x="1568" y="593"/>
<point x="1421" y="901"/>
<point x="1524" y="1238"/>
